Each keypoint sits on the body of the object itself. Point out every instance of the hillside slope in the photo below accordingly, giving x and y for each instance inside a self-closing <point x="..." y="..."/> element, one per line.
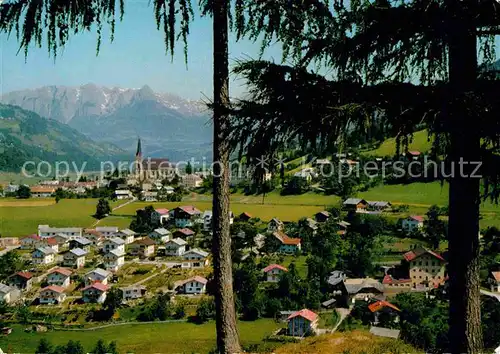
<point x="420" y="143"/>
<point x="347" y="342"/>
<point x="25" y="136"/>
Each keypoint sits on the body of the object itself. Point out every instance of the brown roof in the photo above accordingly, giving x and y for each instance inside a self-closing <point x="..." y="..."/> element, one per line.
<point x="63" y="271"/>
<point x="185" y="231"/>
<point x="496" y="275"/>
<point x="145" y="241"/>
<point x="93" y="232"/>
<point x="285" y="239"/>
<point x="56" y="288"/>
<point x="42" y="189"/>
<point x="96" y="285"/>
<point x="25" y="275"/>
<point x="419" y="251"/>
<point x="376" y="306"/>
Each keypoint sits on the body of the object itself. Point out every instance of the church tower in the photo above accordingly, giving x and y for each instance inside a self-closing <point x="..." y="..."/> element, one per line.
<point x="138" y="161"/>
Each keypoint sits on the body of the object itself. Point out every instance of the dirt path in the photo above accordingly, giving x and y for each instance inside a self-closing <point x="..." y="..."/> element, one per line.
<point x="115" y="208"/>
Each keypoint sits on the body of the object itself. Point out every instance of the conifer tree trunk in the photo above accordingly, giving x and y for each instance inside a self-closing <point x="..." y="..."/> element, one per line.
<point x="465" y="306"/>
<point x="227" y="332"/>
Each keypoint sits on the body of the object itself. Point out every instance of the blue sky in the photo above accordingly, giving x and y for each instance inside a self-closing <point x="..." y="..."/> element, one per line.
<point x="135" y="58"/>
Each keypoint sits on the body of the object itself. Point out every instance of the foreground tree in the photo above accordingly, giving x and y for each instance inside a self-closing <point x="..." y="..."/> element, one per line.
<point x="102" y="209"/>
<point x="373" y="52"/>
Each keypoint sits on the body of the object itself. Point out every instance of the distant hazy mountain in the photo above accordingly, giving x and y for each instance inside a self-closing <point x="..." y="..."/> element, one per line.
<point x="168" y="126"/>
<point x="25" y="136"/>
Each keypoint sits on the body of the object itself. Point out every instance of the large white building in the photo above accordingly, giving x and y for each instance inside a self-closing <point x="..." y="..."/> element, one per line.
<point x="70" y="232"/>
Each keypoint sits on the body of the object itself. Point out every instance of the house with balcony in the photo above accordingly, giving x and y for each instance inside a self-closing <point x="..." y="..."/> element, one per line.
<point x="160" y="236"/>
<point x="194" y="285"/>
<point x="195" y="258"/>
<point x="97" y="275"/>
<point x="43" y="256"/>
<point x="114" y="260"/>
<point x="185" y="216"/>
<point x="133" y="292"/>
<point x="52" y="294"/>
<point x="126" y="235"/>
<point x="145" y="247"/>
<point x="95" y="293"/>
<point x="75" y="258"/>
<point x="273" y="272"/>
<point x="60" y="277"/>
<point x="175" y="247"/>
<point x="114" y="243"/>
<point x="80" y="242"/>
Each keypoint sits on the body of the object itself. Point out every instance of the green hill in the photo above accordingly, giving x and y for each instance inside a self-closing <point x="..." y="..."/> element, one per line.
<point x="25" y="136"/>
<point x="420" y="143"/>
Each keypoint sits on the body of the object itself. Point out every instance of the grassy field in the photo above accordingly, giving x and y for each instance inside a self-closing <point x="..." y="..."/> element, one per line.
<point x="388" y="147"/>
<point x="145" y="338"/>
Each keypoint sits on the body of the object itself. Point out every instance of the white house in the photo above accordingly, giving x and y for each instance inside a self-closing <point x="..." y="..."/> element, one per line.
<point x="133" y="292"/>
<point x="126" y="235"/>
<point x="60" y="277"/>
<point x="159" y="216"/>
<point x="97" y="275"/>
<point x="62" y="241"/>
<point x="50" y="242"/>
<point x="95" y="293"/>
<point x="175" y="247"/>
<point x="52" y="294"/>
<point x="169" y="189"/>
<point x="273" y="272"/>
<point x="43" y="255"/>
<point x="194" y="285"/>
<point x="160" y="235"/>
<point x="80" y="242"/>
<point x="185" y="216"/>
<point x="288" y="244"/>
<point x="113" y="260"/>
<point x="107" y="230"/>
<point x="195" y="258"/>
<point x="9" y="294"/>
<point x="191" y="181"/>
<point x="495" y="282"/>
<point x="114" y="243"/>
<point x="121" y="194"/>
<point x="75" y="258"/>
<point x="47" y="231"/>
<point x="95" y="237"/>
<point x="207" y="220"/>
<point x="149" y="196"/>
<point x="275" y="225"/>
<point x="413" y="223"/>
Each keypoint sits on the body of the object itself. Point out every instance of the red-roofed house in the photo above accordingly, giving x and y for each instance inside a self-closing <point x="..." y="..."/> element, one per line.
<point x="288" y="244"/>
<point x="384" y="308"/>
<point x="412" y="223"/>
<point x="21" y="280"/>
<point x="59" y="277"/>
<point x="95" y="292"/>
<point x="273" y="272"/>
<point x="244" y="216"/>
<point x="396" y="284"/>
<point x="194" y="285"/>
<point x="50" y="242"/>
<point x="30" y="242"/>
<point x="52" y="294"/>
<point x="427" y="268"/>
<point x="185" y="216"/>
<point x="158" y="216"/>
<point x="303" y="322"/>
<point x="495" y="282"/>
<point x="183" y="233"/>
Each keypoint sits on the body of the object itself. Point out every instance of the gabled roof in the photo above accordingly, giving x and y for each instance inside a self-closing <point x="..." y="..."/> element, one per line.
<point x="189" y="209"/>
<point x="25" y="275"/>
<point x="127" y="232"/>
<point x="106" y="228"/>
<point x="419" y="251"/>
<point x="116" y="252"/>
<point x="98" y="286"/>
<point x="305" y="313"/>
<point x="33" y="237"/>
<point x="390" y="280"/>
<point x="416" y="218"/>
<point x="116" y="240"/>
<point x="78" y="252"/>
<point x="99" y="271"/>
<point x="378" y="305"/>
<point x="324" y="213"/>
<point x="197" y="251"/>
<point x="197" y="278"/>
<point x="274" y="266"/>
<point x="496" y="276"/>
<point x="276" y="221"/>
<point x="354" y="201"/>
<point x="378" y="203"/>
<point x="162" y="211"/>
<point x="178" y="241"/>
<point x="285" y="239"/>
<point x="354" y="286"/>
<point x="51" y="241"/>
<point x="186" y="232"/>
<point x="45" y="250"/>
<point x="246" y="215"/>
<point x="82" y="241"/>
<point x="55" y="288"/>
<point x="344" y="224"/>
<point x="62" y="271"/>
<point x="145" y="241"/>
<point x="93" y="232"/>
<point x="162" y="231"/>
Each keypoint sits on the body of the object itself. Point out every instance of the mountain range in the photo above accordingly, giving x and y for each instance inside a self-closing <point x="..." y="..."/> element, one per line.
<point x="27" y="137"/>
<point x="169" y="126"/>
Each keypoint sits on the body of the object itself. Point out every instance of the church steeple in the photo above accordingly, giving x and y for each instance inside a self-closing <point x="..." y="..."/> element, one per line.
<point x="138" y="154"/>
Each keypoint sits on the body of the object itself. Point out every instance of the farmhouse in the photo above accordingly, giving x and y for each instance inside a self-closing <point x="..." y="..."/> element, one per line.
<point x="355" y="204"/>
<point x="343" y="225"/>
<point x="185" y="216"/>
<point x="144" y="247"/>
<point x="302" y="323"/>
<point x="194" y="285"/>
<point x="126" y="235"/>
<point x="80" y="242"/>
<point x="288" y="244"/>
<point x="42" y="191"/>
<point x="30" y="242"/>
<point x="175" y="247"/>
<point x="383" y="308"/>
<point x="52" y="294"/>
<point x="275" y="225"/>
<point x="413" y="223"/>
<point x="427" y="268"/>
<point x="21" y="280"/>
<point x="195" y="258"/>
<point x="396" y="284"/>
<point x="107" y="231"/>
<point x="114" y="243"/>
<point x="183" y="233"/>
<point x="94" y="293"/>
<point x="160" y="236"/>
<point x="322" y="216"/>
<point x="113" y="260"/>
<point x="133" y="292"/>
<point x="43" y="255"/>
<point x="245" y="217"/>
<point x="311" y="225"/>
<point x="159" y="216"/>
<point x="75" y="258"/>
<point x="379" y="206"/>
<point x="9" y="294"/>
<point x="59" y="277"/>
<point x="95" y="237"/>
<point x="362" y="289"/>
<point x="273" y="272"/>
<point x="47" y="231"/>
<point x="97" y="275"/>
